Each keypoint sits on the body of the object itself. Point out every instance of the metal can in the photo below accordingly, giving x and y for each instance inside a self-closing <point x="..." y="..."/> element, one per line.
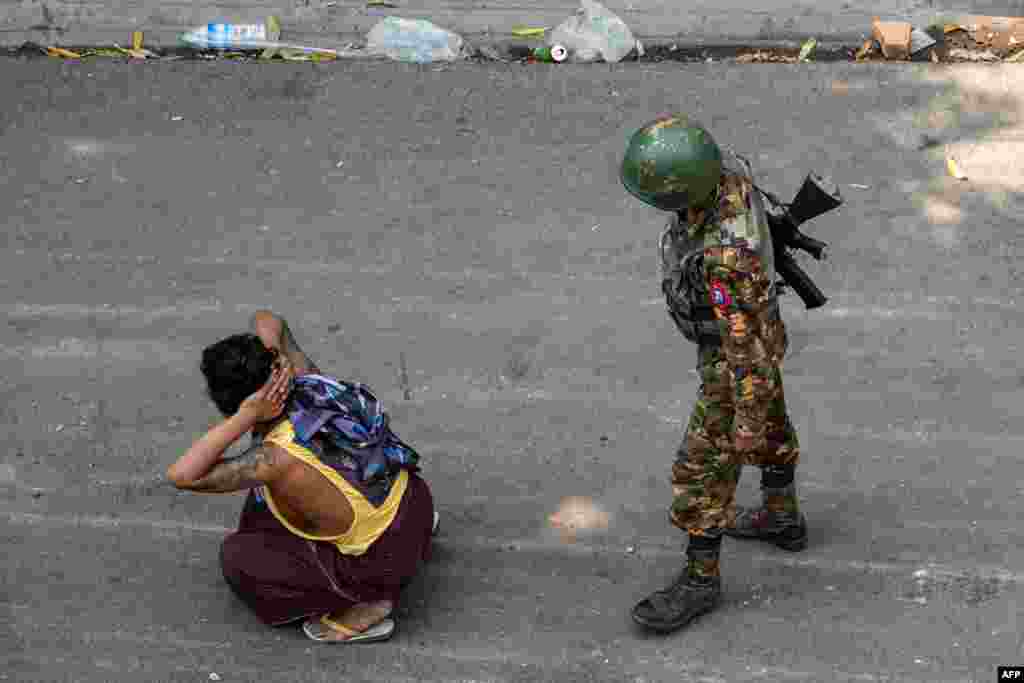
<point x="551" y="53"/>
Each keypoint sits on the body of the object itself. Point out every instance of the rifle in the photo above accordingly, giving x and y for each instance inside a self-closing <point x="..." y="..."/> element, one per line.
<point x="816" y="196"/>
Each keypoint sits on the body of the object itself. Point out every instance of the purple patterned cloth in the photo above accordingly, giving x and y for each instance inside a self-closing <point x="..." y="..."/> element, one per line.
<point x="349" y="417"/>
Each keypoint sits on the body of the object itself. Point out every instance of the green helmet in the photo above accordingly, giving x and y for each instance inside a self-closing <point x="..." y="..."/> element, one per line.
<point x="671" y="163"/>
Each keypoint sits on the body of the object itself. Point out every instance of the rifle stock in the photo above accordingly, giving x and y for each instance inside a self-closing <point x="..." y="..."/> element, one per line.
<point x="799" y="281"/>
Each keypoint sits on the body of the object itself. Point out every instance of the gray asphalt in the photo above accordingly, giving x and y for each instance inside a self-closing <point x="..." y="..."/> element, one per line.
<point x="470" y="218"/>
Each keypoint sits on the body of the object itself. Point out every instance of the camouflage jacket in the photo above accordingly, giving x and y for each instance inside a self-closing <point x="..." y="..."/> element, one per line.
<point x="737" y="219"/>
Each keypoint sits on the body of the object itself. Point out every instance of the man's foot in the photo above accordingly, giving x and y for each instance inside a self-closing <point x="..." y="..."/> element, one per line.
<point x="674" y="607"/>
<point x="365" y="622"/>
<point x="785" y="531"/>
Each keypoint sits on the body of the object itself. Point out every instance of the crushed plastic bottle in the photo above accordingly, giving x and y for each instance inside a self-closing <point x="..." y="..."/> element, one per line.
<point x="415" y="40"/>
<point x="595" y="33"/>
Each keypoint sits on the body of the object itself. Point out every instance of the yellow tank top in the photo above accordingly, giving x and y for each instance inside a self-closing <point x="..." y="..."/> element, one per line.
<point x="369" y="523"/>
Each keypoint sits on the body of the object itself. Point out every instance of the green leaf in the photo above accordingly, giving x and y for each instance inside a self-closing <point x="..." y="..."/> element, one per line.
<point x="807" y="49"/>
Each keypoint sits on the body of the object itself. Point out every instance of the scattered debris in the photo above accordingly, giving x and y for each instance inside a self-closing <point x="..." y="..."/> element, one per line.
<point x="777" y="56"/>
<point x="1002" y="37"/>
<point x="594" y="33"/>
<point x="960" y="54"/>
<point x="996" y="33"/>
<point x="764" y="57"/>
<point x="489" y="52"/>
<point x="380" y="3"/>
<point x="860" y="187"/>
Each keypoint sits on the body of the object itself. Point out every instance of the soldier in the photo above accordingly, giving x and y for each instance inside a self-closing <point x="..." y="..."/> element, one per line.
<point x="718" y="278"/>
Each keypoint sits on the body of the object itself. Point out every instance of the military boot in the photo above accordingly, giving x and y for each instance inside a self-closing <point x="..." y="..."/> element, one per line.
<point x="779" y="519"/>
<point x="695" y="591"/>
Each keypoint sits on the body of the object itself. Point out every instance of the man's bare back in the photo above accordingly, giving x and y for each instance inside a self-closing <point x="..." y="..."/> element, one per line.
<point x="308" y="500"/>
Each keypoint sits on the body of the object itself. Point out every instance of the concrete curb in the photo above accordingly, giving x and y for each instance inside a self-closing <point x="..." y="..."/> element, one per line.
<point x="330" y="23"/>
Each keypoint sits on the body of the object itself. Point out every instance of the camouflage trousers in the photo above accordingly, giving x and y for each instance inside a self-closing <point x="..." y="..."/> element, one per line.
<point x="707" y="466"/>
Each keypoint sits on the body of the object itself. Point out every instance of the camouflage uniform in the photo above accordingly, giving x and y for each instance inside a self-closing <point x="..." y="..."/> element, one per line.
<point x="722" y="258"/>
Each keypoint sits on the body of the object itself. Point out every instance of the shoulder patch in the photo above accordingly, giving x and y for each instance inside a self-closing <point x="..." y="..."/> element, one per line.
<point x="720" y="294"/>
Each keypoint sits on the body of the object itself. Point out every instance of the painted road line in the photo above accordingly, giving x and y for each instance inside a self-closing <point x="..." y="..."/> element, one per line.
<point x="472" y="543"/>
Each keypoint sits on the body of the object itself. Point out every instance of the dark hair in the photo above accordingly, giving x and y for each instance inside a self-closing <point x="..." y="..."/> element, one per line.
<point x="235" y="368"/>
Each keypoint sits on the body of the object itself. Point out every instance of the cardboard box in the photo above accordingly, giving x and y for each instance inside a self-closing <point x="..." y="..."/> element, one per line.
<point x="893" y="36"/>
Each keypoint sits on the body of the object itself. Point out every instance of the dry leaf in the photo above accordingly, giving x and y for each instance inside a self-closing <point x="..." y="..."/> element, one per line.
<point x="807" y="49"/>
<point x="763" y="57"/>
<point x="61" y="52"/>
<point x="959" y="53"/>
<point x="1016" y="58"/>
<point x="524" y="32"/>
<point x="104" y="52"/>
<point x="954" y="169"/>
<point x="273" y="25"/>
<point x="865" y="50"/>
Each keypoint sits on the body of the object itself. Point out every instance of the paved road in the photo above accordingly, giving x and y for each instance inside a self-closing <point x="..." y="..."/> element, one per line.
<point x="94" y="22"/>
<point x="470" y="218"/>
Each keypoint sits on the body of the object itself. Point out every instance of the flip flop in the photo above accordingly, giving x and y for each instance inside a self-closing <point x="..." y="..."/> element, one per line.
<point x="376" y="633"/>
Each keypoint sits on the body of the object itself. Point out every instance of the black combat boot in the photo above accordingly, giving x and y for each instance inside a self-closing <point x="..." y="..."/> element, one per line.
<point x="779" y="519"/>
<point x="696" y="590"/>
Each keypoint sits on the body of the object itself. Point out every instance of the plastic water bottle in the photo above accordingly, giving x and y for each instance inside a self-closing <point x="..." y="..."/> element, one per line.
<point x="227" y="36"/>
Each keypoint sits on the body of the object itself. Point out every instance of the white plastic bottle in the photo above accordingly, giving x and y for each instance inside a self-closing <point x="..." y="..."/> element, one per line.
<point x="227" y="36"/>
